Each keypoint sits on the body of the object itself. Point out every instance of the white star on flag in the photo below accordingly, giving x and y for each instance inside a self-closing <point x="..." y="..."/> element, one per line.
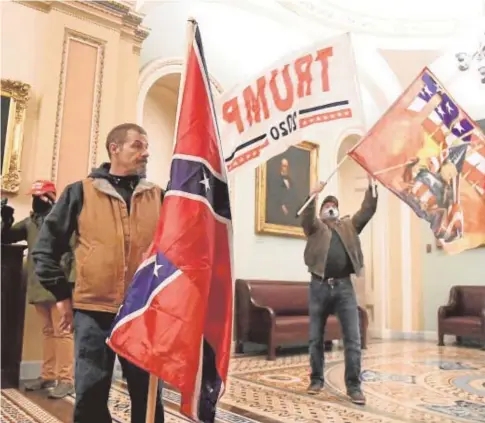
<point x="426" y="90"/>
<point x="156" y="268"/>
<point x="439" y="88"/>
<point x="205" y="182"/>
<point x="458" y="127"/>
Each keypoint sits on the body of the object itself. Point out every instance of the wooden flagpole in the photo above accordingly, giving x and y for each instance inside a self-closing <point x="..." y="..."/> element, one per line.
<point x="153" y="384"/>
<point x="152" y="399"/>
<point x="311" y="197"/>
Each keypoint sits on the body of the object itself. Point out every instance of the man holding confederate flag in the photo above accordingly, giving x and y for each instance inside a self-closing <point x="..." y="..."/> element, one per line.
<point x="332" y="254"/>
<point x="113" y="214"/>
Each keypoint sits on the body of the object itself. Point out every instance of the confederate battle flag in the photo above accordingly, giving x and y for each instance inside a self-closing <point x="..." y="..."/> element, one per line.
<point x="176" y="320"/>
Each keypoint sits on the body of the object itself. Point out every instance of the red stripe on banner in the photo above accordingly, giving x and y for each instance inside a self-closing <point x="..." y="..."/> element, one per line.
<point x="193" y="125"/>
<point x="325" y="117"/>
<point x="472" y="175"/>
<point x="246" y="157"/>
<point x="183" y="333"/>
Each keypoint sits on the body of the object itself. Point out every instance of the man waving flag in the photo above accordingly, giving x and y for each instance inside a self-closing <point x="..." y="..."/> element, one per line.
<point x="176" y="320"/>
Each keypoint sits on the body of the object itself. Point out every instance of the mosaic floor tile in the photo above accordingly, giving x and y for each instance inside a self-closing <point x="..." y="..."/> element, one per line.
<point x="15" y="408"/>
<point x="404" y="381"/>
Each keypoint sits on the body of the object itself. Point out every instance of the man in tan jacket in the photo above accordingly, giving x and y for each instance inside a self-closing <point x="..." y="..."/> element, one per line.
<point x="113" y="214"/>
<point x="332" y="254"/>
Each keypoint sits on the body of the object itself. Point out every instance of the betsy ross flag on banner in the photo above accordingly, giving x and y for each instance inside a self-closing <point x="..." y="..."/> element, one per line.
<point x="176" y="320"/>
<point x="431" y="154"/>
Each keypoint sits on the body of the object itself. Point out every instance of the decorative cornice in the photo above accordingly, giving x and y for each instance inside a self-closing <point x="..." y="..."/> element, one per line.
<point x="155" y="67"/>
<point x="111" y="14"/>
<point x="329" y="13"/>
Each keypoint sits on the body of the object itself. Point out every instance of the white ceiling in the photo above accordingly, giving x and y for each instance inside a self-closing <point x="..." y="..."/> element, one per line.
<point x="384" y="18"/>
<point x="241" y="37"/>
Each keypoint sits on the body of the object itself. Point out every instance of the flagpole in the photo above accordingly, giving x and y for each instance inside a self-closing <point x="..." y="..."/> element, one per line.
<point x="152" y="399"/>
<point x="311" y="198"/>
<point x="153" y="384"/>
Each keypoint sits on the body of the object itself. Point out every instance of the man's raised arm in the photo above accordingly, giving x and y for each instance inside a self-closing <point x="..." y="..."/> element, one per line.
<point x="310" y="222"/>
<point x="367" y="210"/>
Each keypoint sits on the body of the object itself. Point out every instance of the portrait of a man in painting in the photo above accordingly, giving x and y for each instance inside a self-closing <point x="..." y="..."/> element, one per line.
<point x="283" y="183"/>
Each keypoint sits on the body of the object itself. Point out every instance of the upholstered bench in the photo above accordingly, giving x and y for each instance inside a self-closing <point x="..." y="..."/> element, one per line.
<point x="275" y="313"/>
<point x="464" y="315"/>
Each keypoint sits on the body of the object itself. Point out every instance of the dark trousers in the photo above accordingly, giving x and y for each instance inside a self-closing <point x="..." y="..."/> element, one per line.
<point x="340" y="299"/>
<point x="94" y="370"/>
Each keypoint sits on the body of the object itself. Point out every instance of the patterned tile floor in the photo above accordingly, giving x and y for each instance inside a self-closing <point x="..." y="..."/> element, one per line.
<point x="403" y="381"/>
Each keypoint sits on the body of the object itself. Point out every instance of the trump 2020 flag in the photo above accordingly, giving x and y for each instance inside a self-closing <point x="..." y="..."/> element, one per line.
<point x="176" y="320"/>
<point x="429" y="153"/>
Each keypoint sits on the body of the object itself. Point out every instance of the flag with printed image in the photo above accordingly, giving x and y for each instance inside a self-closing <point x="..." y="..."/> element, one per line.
<point x="431" y="154"/>
<point x="176" y="320"/>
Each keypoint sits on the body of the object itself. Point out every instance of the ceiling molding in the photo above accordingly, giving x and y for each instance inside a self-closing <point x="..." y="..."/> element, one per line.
<point x="329" y="13"/>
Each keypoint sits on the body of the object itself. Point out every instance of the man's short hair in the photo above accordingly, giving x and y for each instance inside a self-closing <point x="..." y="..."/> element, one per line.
<point x="118" y="134"/>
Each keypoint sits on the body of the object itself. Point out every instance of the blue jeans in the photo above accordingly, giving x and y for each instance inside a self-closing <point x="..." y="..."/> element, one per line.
<point x="340" y="300"/>
<point x="94" y="370"/>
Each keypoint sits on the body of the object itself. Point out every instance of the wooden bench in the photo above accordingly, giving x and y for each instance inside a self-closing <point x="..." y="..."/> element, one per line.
<point x="275" y="313"/>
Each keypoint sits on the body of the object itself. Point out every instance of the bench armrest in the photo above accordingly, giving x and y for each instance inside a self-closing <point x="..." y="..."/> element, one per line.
<point x="264" y="313"/>
<point x="450" y="309"/>
<point x="447" y="311"/>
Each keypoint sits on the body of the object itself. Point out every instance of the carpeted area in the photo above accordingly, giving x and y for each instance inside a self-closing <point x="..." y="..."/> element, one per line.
<point x="16" y="408"/>
<point x="404" y="381"/>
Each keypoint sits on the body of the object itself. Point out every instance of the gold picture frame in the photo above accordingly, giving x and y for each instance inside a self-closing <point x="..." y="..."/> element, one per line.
<point x="15" y="95"/>
<point x="272" y="216"/>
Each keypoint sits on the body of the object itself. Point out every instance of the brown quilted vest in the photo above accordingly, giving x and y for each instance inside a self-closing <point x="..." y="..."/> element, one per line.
<point x="111" y="242"/>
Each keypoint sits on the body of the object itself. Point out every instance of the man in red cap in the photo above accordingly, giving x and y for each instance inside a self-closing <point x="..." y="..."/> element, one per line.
<point x="332" y="254"/>
<point x="58" y="346"/>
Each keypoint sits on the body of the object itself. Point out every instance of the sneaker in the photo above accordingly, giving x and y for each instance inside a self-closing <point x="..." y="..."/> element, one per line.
<point x="38" y="384"/>
<point x="63" y="389"/>
<point x="357" y="397"/>
<point x="314" y="388"/>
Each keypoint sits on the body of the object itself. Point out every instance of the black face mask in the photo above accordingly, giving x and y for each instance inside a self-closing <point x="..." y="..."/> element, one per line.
<point x="40" y="206"/>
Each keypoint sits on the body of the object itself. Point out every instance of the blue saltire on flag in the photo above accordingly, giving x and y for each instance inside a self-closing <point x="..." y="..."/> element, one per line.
<point x="176" y="320"/>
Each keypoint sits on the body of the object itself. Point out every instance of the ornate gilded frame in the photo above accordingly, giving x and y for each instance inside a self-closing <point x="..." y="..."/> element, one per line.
<point x="263" y="227"/>
<point x="19" y="94"/>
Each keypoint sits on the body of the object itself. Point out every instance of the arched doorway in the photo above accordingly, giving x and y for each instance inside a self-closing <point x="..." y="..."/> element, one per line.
<point x="159" y="84"/>
<point x="352" y="184"/>
<point x="159" y="114"/>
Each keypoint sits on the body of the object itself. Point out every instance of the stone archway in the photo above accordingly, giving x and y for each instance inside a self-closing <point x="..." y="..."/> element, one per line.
<point x="157" y="69"/>
<point x="159" y="114"/>
<point x="159" y="84"/>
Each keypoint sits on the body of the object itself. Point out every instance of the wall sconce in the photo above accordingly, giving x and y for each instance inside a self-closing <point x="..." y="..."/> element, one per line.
<point x="466" y="60"/>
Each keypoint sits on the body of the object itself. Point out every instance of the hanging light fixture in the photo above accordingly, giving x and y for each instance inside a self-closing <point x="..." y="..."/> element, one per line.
<point x="466" y="60"/>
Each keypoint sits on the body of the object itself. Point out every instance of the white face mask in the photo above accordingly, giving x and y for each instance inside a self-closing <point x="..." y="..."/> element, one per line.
<point x="330" y="213"/>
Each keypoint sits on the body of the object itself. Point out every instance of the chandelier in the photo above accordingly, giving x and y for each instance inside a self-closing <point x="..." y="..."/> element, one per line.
<point x="466" y="60"/>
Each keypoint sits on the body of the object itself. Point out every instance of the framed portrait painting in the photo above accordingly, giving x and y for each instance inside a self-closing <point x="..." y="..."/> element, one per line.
<point x="282" y="185"/>
<point x="15" y="95"/>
